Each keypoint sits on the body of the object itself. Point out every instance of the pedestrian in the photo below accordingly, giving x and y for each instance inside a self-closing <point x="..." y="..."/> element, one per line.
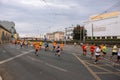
<point x="21" y="43"/>
<point x="104" y="50"/>
<point x="46" y="44"/>
<point x="61" y="46"/>
<point x="114" y="52"/>
<point x="54" y="45"/>
<point x="84" y="49"/>
<point x="118" y="55"/>
<point x="97" y="54"/>
<point x="37" y="47"/>
<point x="58" y="51"/>
<point x="92" y="49"/>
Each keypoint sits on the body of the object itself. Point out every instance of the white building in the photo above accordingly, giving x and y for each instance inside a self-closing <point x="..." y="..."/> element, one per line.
<point x="69" y="33"/>
<point x="55" y="36"/>
<point x="104" y="26"/>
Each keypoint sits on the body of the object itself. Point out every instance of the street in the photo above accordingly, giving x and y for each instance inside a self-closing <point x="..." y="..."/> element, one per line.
<point x="22" y="64"/>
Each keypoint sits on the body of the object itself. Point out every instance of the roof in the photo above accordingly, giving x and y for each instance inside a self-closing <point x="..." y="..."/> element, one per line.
<point x="103" y="16"/>
<point x="4" y="28"/>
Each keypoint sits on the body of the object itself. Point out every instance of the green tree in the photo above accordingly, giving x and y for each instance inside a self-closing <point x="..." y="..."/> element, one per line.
<point x="79" y="33"/>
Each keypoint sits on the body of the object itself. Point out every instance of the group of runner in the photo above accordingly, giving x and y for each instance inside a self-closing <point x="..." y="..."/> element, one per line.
<point x="101" y="51"/>
<point x="97" y="51"/>
<point x="57" y="48"/>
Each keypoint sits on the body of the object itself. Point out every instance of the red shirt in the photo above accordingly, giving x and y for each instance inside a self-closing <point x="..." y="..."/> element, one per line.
<point x="92" y="48"/>
<point x="84" y="47"/>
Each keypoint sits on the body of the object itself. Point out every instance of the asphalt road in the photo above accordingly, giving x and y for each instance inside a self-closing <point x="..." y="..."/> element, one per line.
<point x="23" y="64"/>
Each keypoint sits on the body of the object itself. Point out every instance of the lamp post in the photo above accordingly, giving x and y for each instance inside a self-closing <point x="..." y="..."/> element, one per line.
<point x="92" y="30"/>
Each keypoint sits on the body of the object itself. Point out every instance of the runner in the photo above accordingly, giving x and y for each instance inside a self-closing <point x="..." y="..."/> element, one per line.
<point x="101" y="47"/>
<point x="118" y="55"/>
<point x="46" y="46"/>
<point x="54" y="45"/>
<point x="97" y="54"/>
<point x="21" y="43"/>
<point x="40" y="43"/>
<point x="61" y="46"/>
<point x="92" y="49"/>
<point x="58" y="51"/>
<point x="104" y="50"/>
<point x="37" y="47"/>
<point x="29" y="43"/>
<point x="114" y="52"/>
<point x="84" y="49"/>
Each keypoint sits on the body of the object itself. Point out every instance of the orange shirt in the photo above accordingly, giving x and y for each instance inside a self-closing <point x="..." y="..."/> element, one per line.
<point x="54" y="43"/>
<point x="92" y="48"/>
<point x="61" y="45"/>
<point x="34" y="43"/>
<point x="84" y="47"/>
<point x="37" y="46"/>
<point x="101" y="47"/>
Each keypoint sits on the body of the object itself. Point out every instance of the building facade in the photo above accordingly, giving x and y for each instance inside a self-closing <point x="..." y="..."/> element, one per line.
<point x="55" y="36"/>
<point x="69" y="33"/>
<point x="104" y="26"/>
<point x="10" y="26"/>
<point x="5" y="35"/>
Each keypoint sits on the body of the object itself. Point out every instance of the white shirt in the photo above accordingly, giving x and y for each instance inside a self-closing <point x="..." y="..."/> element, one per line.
<point x="118" y="52"/>
<point x="97" y="51"/>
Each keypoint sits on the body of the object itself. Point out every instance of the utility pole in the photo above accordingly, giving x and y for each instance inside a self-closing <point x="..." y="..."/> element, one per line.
<point x="83" y="34"/>
<point x="92" y="30"/>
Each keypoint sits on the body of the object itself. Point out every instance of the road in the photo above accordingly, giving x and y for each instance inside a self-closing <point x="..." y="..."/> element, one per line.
<point x="23" y="64"/>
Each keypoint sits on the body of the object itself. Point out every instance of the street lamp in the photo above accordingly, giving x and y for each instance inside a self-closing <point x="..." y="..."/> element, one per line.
<point x="92" y="30"/>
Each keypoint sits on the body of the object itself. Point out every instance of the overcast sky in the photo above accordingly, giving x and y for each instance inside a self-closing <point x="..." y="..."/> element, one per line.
<point x="42" y="16"/>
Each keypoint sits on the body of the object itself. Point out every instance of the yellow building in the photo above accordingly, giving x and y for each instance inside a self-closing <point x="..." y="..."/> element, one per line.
<point x="5" y="35"/>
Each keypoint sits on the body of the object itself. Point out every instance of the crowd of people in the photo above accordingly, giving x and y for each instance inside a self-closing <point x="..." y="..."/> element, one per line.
<point x="97" y="51"/>
<point x="100" y="52"/>
<point x="57" y="48"/>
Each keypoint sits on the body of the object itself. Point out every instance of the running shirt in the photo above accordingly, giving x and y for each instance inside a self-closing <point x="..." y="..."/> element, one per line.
<point x="118" y="52"/>
<point x="54" y="44"/>
<point x="114" y="48"/>
<point x="61" y="45"/>
<point x="104" y="49"/>
<point x="84" y="47"/>
<point x="97" y="51"/>
<point x="37" y="46"/>
<point x="40" y="43"/>
<point x="92" y="48"/>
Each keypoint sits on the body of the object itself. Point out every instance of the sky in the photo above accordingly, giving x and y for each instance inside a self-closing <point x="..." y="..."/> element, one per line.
<point x="34" y="17"/>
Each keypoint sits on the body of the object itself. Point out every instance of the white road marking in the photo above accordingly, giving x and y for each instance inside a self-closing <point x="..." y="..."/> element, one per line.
<point x="49" y="65"/>
<point x="12" y="58"/>
<point x="0" y="78"/>
<point x="89" y="69"/>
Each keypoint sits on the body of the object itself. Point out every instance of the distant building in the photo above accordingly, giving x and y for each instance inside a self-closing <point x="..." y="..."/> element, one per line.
<point x="104" y="26"/>
<point x="10" y="26"/>
<point x="50" y="36"/>
<point x="5" y="35"/>
<point x="55" y="36"/>
<point x="69" y="33"/>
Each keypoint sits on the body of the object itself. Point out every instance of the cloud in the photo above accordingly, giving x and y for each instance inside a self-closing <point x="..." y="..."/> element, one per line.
<point x="33" y="16"/>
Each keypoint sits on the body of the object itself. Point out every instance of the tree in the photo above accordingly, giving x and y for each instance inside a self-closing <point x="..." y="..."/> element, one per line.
<point x="79" y="33"/>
